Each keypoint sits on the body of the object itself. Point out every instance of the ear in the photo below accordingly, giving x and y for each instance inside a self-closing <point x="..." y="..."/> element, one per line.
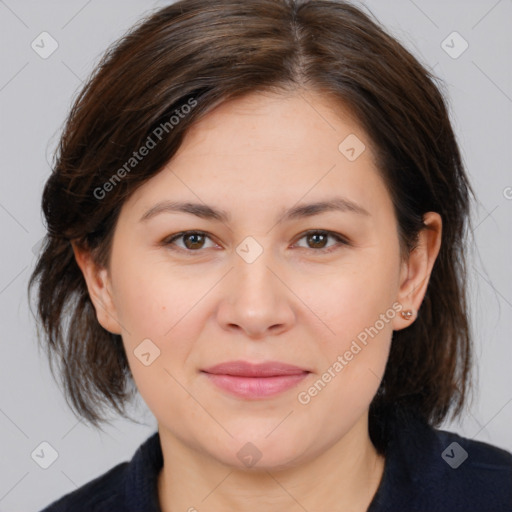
<point x="415" y="272"/>
<point x="100" y="290"/>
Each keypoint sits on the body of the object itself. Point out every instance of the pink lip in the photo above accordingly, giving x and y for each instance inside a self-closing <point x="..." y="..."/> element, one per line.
<point x="255" y="380"/>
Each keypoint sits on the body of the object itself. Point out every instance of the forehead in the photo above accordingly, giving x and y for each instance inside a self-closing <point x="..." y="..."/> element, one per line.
<point x="295" y="124"/>
<point x="264" y="149"/>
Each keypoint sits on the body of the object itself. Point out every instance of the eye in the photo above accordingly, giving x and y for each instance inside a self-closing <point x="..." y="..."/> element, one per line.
<point x="317" y="240"/>
<point x="192" y="240"/>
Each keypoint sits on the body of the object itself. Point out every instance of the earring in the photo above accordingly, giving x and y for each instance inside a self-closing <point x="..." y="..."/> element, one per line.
<point x="406" y="314"/>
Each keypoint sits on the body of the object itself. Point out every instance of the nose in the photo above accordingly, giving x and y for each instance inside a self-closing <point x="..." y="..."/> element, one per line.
<point x="255" y="299"/>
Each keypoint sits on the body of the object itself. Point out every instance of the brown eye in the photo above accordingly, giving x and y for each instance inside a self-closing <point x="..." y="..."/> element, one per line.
<point x="189" y="241"/>
<point x="317" y="240"/>
<point x="193" y="240"/>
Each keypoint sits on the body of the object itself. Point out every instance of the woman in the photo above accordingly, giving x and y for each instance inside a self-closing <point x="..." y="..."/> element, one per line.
<point x="258" y="216"/>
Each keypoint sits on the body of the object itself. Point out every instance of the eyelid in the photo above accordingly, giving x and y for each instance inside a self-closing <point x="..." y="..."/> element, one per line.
<point x="168" y="241"/>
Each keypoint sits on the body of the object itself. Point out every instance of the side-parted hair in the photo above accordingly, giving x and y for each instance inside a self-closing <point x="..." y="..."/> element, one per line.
<point x="163" y="76"/>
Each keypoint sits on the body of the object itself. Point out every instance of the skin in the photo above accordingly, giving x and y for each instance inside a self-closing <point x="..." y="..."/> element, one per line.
<point x="256" y="157"/>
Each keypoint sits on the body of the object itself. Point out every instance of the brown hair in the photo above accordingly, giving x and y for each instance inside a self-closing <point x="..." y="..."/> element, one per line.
<point x="203" y="53"/>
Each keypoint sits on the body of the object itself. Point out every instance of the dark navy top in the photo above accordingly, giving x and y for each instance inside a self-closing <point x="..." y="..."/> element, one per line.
<point x="426" y="470"/>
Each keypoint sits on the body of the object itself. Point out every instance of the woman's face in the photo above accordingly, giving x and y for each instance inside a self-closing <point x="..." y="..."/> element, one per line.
<point x="254" y="286"/>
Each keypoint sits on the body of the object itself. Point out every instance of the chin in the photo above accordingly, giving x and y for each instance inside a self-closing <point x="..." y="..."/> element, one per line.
<point x="259" y="452"/>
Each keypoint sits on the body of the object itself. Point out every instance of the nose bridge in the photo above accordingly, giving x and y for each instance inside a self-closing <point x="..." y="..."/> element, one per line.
<point x="255" y="300"/>
<point x="252" y="276"/>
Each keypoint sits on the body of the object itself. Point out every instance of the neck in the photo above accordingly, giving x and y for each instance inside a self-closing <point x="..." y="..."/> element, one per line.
<point x="345" y="476"/>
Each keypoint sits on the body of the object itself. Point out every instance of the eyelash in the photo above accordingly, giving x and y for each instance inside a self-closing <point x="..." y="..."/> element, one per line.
<point x="169" y="241"/>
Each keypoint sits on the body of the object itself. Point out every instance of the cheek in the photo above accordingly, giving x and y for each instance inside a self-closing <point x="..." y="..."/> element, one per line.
<point x="154" y="298"/>
<point x="159" y="303"/>
<point x="355" y="304"/>
<point x="353" y="296"/>
<point x="358" y="309"/>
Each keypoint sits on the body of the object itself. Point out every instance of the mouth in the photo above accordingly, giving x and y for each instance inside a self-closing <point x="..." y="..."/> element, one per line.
<point x="253" y="381"/>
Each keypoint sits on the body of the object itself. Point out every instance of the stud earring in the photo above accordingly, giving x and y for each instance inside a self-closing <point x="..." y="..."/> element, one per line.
<point x="406" y="314"/>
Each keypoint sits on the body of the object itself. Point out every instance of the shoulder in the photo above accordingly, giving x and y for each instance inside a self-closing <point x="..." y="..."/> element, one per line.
<point x="128" y="486"/>
<point x="104" y="493"/>
<point x="471" y="475"/>
<point x="430" y="469"/>
<point x="480" y="455"/>
<point x="476" y="467"/>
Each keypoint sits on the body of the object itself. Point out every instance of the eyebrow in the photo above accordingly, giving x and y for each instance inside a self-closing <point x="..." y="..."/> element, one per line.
<point x="204" y="211"/>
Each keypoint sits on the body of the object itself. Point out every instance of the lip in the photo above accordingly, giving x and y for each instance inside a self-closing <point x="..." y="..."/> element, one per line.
<point x="252" y="381"/>
<point x="247" y="369"/>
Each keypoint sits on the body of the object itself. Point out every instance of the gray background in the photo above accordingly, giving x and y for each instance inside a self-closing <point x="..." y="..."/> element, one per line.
<point x="35" y="95"/>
